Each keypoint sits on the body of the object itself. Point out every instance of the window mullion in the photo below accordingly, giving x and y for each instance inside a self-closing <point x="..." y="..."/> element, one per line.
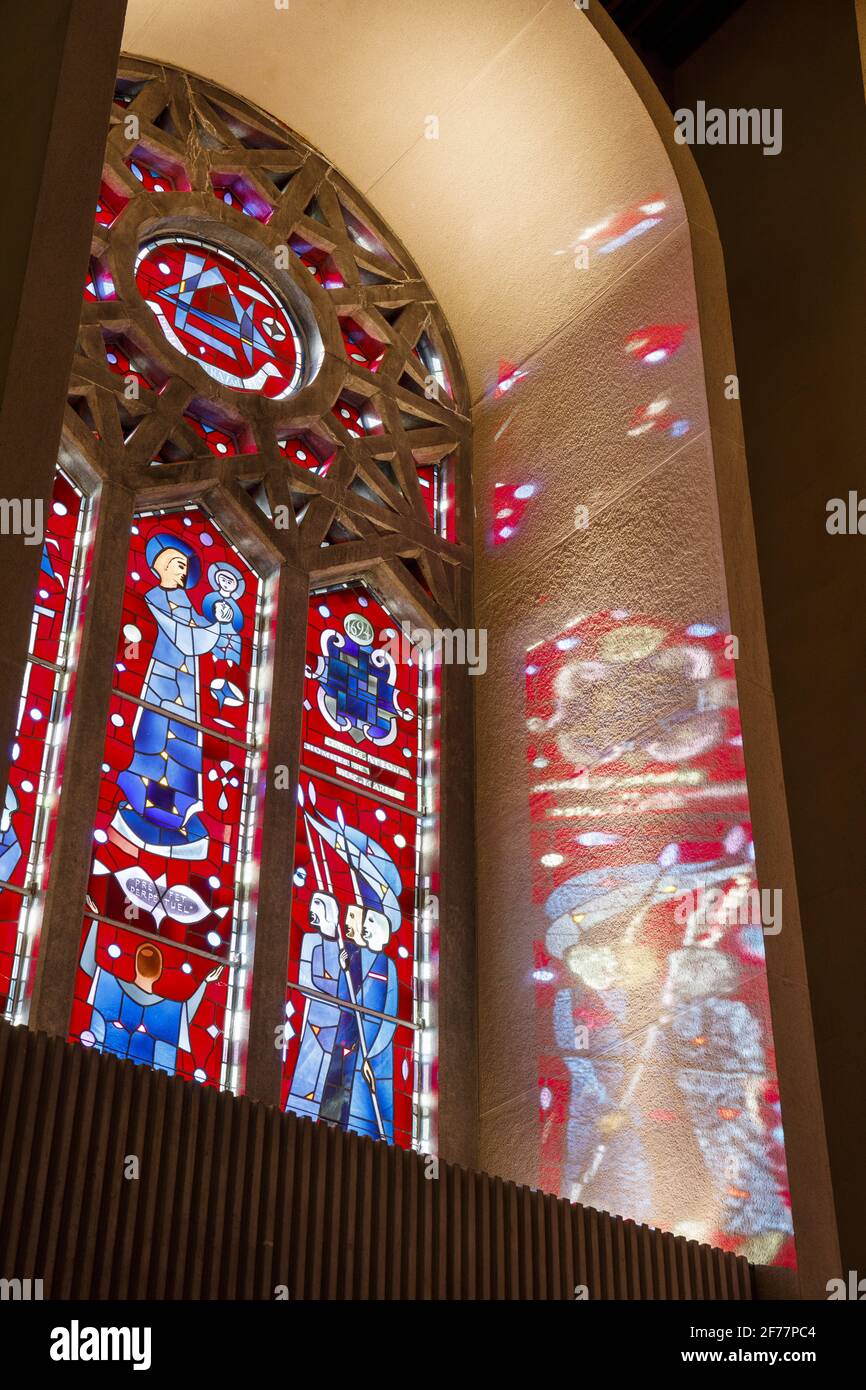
<point x="273" y="908"/>
<point x="70" y="860"/>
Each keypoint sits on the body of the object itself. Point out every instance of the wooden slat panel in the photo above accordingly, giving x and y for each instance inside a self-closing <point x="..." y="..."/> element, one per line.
<point x="234" y="1199"/>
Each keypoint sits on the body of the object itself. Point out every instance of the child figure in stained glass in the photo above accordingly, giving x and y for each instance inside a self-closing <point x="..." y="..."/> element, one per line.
<point x="130" y="1019"/>
<point x="162" y="784"/>
<point x="221" y="606"/>
<point x="320" y="970"/>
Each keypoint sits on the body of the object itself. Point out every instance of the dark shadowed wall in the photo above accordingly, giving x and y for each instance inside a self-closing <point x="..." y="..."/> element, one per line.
<point x="791" y="227"/>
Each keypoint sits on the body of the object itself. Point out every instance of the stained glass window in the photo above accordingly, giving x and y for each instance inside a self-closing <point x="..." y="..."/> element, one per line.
<point x="154" y="179"/>
<point x="166" y="936"/>
<point x="655" y="1036"/>
<point x="236" y="192"/>
<point x="214" y="308"/>
<point x="319" y="263"/>
<point x="26" y="818"/>
<point x="203" y="387"/>
<point x="361" y="346"/>
<point x="110" y="205"/>
<point x="359" y="1040"/>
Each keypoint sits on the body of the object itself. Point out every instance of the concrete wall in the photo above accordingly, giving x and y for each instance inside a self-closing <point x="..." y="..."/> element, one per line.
<point x="792" y="231"/>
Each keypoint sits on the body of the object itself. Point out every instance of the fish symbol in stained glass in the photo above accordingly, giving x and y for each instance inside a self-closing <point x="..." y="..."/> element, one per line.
<point x="214" y="308"/>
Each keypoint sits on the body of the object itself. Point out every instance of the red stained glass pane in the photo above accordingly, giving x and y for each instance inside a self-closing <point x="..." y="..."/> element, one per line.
<point x="214" y="308"/>
<point x="235" y="192"/>
<point x="319" y="263"/>
<point x="62" y="537"/>
<point x="218" y="439"/>
<point x="146" y="1001"/>
<point x="27" y="814"/>
<point x="153" y="178"/>
<point x="121" y="364"/>
<point x="350" y="418"/>
<point x="109" y="206"/>
<point x="300" y="452"/>
<point x="12" y="912"/>
<point x="361" y="346"/>
<point x="26" y="772"/>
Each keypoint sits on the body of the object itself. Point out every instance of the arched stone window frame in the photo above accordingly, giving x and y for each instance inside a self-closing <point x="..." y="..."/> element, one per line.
<point x="358" y="522"/>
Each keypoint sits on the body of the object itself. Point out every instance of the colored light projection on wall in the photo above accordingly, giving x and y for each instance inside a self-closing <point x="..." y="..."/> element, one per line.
<point x="214" y="308"/>
<point x="658" y="1092"/>
<point x="658" y="342"/>
<point x="658" y="416"/>
<point x="359" y="1047"/>
<point x="27" y="815"/>
<point x="509" y="503"/>
<point x="618" y="230"/>
<point x="166" y="936"/>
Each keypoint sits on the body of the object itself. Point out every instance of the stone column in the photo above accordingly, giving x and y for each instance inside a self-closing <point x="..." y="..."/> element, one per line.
<point x="58" y="66"/>
<point x="458" y="1015"/>
<point x="82" y="770"/>
<point x="273" y="913"/>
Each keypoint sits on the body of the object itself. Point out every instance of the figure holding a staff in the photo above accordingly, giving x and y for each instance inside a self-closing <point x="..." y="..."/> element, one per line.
<point x="358" y="1089"/>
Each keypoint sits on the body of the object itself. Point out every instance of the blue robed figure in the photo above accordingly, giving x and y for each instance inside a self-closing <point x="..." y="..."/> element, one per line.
<point x="354" y="1066"/>
<point x="353" y="1077"/>
<point x="129" y="1018"/>
<point x="10" y="846"/>
<point x="162" y="784"/>
<point x="319" y="970"/>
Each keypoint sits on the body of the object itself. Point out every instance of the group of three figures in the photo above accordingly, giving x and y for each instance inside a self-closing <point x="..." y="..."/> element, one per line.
<point x="344" y="1070"/>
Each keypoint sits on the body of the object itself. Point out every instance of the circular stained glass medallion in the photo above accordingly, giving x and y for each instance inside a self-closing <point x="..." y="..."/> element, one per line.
<point x="212" y="307"/>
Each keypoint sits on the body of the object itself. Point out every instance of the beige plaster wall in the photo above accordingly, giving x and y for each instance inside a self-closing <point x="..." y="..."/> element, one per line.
<point x="538" y="137"/>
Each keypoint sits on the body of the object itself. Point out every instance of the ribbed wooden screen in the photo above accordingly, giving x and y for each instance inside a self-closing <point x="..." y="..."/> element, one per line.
<point x="234" y="1199"/>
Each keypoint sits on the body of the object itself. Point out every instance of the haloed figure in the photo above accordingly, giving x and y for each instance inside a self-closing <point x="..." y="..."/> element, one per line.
<point x="162" y="784"/>
<point x="132" y="1019"/>
<point x="359" y="1088"/>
